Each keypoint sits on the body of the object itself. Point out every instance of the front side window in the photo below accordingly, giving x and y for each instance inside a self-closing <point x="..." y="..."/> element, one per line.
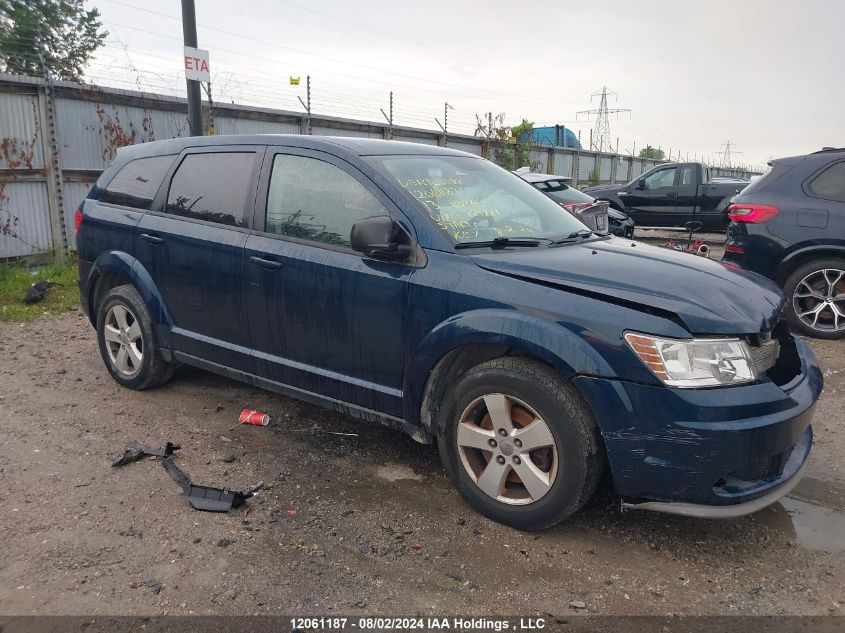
<point x="136" y="184"/>
<point x="212" y="187"/>
<point x="472" y="199"/>
<point x="658" y="179"/>
<point x="830" y="184"/>
<point x="313" y="200"/>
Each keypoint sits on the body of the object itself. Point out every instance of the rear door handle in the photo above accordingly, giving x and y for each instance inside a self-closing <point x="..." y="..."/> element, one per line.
<point x="271" y="264"/>
<point x="152" y="239"/>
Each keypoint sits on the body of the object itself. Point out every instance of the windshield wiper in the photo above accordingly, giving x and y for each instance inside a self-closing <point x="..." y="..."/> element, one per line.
<point x="575" y="236"/>
<point x="500" y="242"/>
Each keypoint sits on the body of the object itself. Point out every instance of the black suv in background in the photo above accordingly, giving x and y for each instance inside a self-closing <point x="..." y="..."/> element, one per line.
<point x="790" y="226"/>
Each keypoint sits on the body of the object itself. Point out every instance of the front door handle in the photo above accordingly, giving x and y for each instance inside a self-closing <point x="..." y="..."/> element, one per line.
<point x="152" y="239"/>
<point x="271" y="264"/>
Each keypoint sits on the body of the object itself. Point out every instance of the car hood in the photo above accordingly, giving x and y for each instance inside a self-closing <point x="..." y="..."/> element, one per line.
<point x="708" y="297"/>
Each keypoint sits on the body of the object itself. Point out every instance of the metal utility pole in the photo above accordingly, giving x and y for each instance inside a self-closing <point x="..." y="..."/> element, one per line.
<point x="50" y="146"/>
<point x="389" y="118"/>
<point x="307" y="103"/>
<point x="189" y="34"/>
<point x="602" y="114"/>
<point x="445" y="125"/>
<point x="209" y="128"/>
<point x="489" y="125"/>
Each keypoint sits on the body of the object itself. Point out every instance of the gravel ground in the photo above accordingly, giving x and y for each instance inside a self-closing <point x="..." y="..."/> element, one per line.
<point x="353" y="519"/>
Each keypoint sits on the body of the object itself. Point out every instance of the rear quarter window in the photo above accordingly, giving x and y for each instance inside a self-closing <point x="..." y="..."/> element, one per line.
<point x="830" y="184"/>
<point x="137" y="182"/>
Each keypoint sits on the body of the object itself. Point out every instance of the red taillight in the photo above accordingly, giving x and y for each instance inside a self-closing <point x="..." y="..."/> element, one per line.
<point x="572" y="207"/>
<point x="733" y="248"/>
<point x="77" y="220"/>
<point x="752" y="213"/>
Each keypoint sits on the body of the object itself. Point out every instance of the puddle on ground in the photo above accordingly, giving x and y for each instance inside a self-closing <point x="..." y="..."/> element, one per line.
<point x="395" y="472"/>
<point x="813" y="515"/>
<point x="816" y="527"/>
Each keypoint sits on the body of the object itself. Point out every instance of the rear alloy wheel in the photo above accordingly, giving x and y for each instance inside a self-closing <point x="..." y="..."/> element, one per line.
<point x="128" y="344"/>
<point x="124" y="343"/>
<point x="519" y="443"/>
<point x="816" y="294"/>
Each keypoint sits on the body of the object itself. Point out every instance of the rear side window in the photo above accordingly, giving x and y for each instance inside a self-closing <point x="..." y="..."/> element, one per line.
<point x="313" y="200"/>
<point x="830" y="184"/>
<point x="136" y="184"/>
<point x="561" y="192"/>
<point x="212" y="187"/>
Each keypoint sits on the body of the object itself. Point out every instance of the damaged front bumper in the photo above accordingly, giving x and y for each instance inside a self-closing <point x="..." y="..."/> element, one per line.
<point x="719" y="452"/>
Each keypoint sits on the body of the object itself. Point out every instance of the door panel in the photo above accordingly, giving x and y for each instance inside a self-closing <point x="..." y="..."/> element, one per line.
<point x="323" y="318"/>
<point x="193" y="249"/>
<point x="328" y="322"/>
<point x="655" y="202"/>
<point x="198" y="269"/>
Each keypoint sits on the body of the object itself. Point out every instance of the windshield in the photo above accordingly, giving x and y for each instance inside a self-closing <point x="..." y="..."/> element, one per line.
<point x="472" y="199"/>
<point x="561" y="192"/>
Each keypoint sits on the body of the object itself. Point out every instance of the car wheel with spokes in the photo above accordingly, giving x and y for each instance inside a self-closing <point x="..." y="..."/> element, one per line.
<point x="127" y="342"/>
<point x="520" y="444"/>
<point x="816" y="299"/>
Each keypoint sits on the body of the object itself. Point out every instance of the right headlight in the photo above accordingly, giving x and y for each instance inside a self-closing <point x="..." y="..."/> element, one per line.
<point x="694" y="362"/>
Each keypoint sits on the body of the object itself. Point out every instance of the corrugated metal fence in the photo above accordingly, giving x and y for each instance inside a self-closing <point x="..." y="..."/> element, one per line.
<point x="92" y="123"/>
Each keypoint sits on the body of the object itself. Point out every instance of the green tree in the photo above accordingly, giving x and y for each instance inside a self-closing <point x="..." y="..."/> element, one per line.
<point x="69" y="35"/>
<point x="510" y="147"/>
<point x="652" y="152"/>
<point x="593" y="179"/>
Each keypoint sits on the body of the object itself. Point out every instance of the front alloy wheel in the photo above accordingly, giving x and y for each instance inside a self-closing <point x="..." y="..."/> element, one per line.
<point x="507" y="449"/>
<point x="519" y="443"/>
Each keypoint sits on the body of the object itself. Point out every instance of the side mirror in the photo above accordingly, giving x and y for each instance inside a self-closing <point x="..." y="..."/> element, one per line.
<point x="380" y="237"/>
<point x="639" y="184"/>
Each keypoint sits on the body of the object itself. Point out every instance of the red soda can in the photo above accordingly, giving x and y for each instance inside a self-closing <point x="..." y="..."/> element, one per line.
<point x="248" y="416"/>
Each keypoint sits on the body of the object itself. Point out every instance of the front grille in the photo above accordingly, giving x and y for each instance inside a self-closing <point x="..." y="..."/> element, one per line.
<point x="765" y="355"/>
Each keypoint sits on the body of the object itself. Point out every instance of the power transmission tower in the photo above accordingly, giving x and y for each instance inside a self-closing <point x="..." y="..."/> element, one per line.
<point x="601" y="130"/>
<point x="726" y="154"/>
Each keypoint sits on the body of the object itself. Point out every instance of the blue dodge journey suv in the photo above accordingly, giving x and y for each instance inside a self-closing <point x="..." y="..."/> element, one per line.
<point x="431" y="291"/>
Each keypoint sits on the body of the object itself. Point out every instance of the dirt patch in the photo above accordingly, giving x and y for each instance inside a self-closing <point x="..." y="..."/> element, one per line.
<point x="354" y="519"/>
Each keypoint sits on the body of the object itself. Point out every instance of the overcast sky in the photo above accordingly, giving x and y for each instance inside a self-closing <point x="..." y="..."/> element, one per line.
<point x="765" y="75"/>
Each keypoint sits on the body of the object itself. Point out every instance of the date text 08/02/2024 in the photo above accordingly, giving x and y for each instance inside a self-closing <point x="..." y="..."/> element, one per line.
<point x="417" y="623"/>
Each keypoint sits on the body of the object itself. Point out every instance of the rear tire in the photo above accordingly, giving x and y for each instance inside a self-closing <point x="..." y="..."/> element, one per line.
<point x="127" y="342"/>
<point x="815" y="298"/>
<point x="535" y="487"/>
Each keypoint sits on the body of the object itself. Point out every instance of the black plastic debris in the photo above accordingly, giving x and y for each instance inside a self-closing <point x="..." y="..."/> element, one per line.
<point x="204" y="498"/>
<point x="36" y="291"/>
<point x="135" y="451"/>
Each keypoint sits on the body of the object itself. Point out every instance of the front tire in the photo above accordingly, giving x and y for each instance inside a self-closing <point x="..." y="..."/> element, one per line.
<point x="519" y="444"/>
<point x="816" y="298"/>
<point x="127" y="342"/>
